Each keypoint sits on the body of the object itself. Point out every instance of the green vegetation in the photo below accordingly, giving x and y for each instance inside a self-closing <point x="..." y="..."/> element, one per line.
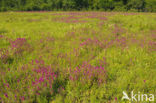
<point x="104" y="5"/>
<point x="76" y="57"/>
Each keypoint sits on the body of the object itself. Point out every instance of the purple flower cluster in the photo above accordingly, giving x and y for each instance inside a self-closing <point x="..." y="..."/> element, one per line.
<point x="121" y="41"/>
<point x="100" y="17"/>
<point x="1" y="36"/>
<point x="91" y="42"/>
<point x="6" y="95"/>
<point x="87" y="73"/>
<point x="20" y="45"/>
<point x="70" y="19"/>
<point x="38" y="78"/>
<point x="43" y="75"/>
<point x="18" y="42"/>
<point x="118" y="41"/>
<point x="118" y="30"/>
<point x="84" y="14"/>
<point x="77" y="17"/>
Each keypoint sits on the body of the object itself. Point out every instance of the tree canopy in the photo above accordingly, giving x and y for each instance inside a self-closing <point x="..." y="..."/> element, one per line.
<point x="105" y="5"/>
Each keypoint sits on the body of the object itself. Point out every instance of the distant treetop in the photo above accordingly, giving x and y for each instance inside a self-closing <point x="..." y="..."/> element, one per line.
<point x="68" y="5"/>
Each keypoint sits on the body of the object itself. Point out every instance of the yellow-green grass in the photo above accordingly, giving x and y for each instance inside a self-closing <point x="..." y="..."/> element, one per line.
<point x="93" y="56"/>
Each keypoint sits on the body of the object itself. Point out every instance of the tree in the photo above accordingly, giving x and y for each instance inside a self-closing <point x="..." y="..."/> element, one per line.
<point x="150" y="5"/>
<point x="120" y="5"/>
<point x="69" y="4"/>
<point x="139" y="5"/>
<point x="106" y="4"/>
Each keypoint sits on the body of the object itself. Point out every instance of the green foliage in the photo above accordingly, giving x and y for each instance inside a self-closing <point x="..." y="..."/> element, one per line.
<point x="69" y="4"/>
<point x="139" y="5"/>
<point x="106" y="5"/>
<point x="53" y="57"/>
<point x="150" y="5"/>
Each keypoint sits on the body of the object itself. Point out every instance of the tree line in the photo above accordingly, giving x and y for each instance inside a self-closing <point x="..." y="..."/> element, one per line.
<point x="103" y="5"/>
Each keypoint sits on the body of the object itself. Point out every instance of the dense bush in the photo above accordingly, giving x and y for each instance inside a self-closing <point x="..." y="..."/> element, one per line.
<point x="107" y="5"/>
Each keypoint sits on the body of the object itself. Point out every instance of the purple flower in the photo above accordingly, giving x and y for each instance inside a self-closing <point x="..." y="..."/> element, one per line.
<point x="7" y="85"/>
<point x="18" y="80"/>
<point x="6" y="95"/>
<point x="41" y="79"/>
<point x="18" y="42"/>
<point x="37" y="61"/>
<point x="116" y="99"/>
<point x="1" y="36"/>
<point x="37" y="93"/>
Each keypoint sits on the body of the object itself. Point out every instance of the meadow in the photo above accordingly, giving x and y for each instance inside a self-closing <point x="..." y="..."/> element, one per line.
<point x="76" y="57"/>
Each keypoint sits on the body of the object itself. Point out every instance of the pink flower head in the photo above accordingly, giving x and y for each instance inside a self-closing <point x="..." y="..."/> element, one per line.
<point x="6" y="95"/>
<point x="116" y="99"/>
<point x="37" y="61"/>
<point x="7" y="85"/>
<point x="22" y="98"/>
<point x="1" y="36"/>
<point x="41" y="79"/>
<point x="37" y="93"/>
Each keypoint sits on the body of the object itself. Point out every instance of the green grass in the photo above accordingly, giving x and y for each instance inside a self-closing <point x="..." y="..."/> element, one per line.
<point x="124" y="44"/>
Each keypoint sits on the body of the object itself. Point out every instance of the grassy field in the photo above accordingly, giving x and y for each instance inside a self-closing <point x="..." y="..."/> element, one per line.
<point x="76" y="57"/>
